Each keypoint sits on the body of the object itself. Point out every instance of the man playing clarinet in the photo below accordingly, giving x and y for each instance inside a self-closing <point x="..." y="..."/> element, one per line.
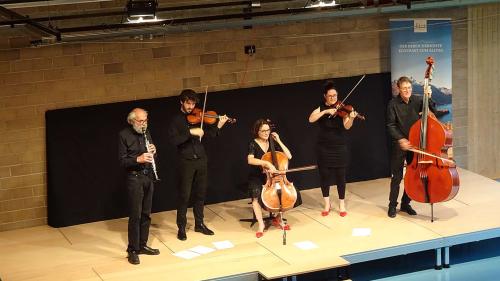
<point x="137" y="160"/>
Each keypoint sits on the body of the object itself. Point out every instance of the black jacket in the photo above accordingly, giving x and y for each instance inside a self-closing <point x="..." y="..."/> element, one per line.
<point x="188" y="146"/>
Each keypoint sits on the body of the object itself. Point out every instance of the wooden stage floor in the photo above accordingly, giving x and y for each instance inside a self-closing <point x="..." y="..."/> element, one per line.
<point x="96" y="251"/>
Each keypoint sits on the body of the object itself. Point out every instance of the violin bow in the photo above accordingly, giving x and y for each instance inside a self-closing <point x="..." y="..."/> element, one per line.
<point x="416" y="150"/>
<point x="352" y="90"/>
<point x="204" y="106"/>
<point x="355" y="86"/>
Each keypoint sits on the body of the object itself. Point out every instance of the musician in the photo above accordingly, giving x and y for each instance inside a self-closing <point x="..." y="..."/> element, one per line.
<point x="192" y="162"/>
<point x="332" y="152"/>
<point x="136" y="160"/>
<point x="402" y="112"/>
<point x="256" y="178"/>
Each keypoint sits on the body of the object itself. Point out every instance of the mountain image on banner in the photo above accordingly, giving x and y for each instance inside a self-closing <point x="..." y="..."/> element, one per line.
<point x="442" y="95"/>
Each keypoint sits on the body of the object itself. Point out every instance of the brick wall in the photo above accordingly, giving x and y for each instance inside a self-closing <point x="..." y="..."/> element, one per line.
<point x="33" y="80"/>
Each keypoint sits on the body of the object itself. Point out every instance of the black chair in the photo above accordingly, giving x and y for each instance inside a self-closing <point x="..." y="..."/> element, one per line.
<point x="253" y="220"/>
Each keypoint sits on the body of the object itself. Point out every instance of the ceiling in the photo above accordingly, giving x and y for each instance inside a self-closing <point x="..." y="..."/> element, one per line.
<point x="70" y="20"/>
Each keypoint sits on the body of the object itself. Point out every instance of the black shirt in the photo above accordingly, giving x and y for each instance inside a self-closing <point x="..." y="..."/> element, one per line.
<point x="188" y="146"/>
<point x="401" y="116"/>
<point x="332" y="130"/>
<point x="131" y="145"/>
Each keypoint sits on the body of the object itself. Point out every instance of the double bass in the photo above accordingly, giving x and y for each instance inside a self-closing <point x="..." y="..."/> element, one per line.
<point x="430" y="177"/>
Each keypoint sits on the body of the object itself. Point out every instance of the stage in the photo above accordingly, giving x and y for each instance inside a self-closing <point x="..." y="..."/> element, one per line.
<point x="96" y="251"/>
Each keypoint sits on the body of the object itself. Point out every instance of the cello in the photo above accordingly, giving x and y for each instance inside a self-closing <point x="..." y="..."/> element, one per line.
<point x="278" y="194"/>
<point x="430" y="177"/>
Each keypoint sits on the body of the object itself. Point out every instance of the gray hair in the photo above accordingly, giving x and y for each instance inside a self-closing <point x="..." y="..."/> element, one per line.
<point x="132" y="114"/>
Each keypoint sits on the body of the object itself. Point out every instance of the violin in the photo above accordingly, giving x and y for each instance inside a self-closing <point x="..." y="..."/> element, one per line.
<point x="345" y="109"/>
<point x="210" y="117"/>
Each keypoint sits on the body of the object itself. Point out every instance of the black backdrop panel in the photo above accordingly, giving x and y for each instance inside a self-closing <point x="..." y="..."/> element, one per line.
<point x="86" y="184"/>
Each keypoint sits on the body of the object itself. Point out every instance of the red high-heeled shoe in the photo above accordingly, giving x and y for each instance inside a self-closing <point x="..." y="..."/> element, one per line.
<point x="325" y="213"/>
<point x="343" y="214"/>
<point x="259" y="234"/>
<point x="276" y="223"/>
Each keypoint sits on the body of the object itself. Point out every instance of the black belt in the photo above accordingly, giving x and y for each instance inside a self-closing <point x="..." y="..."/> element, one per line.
<point x="140" y="172"/>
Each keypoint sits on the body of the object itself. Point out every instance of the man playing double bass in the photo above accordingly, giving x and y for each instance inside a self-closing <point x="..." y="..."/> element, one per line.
<point x="192" y="162"/>
<point x="402" y="112"/>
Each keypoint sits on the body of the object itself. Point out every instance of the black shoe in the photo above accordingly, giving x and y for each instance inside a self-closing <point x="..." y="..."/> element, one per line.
<point x="149" y="251"/>
<point x="181" y="234"/>
<point x="391" y="212"/>
<point x="408" y="209"/>
<point x="203" y="229"/>
<point x="133" y="258"/>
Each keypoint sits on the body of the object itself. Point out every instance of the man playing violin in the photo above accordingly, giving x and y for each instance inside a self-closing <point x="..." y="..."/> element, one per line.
<point x="402" y="112"/>
<point x="192" y="162"/>
<point x="331" y="148"/>
<point x="256" y="178"/>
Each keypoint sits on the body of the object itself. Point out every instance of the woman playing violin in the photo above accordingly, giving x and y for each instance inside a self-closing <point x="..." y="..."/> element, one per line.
<point x="332" y="152"/>
<point x="256" y="149"/>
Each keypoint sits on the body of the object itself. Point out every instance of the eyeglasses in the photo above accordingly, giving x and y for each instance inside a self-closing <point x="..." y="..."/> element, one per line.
<point x="265" y="131"/>
<point x="141" y="121"/>
<point x="331" y="96"/>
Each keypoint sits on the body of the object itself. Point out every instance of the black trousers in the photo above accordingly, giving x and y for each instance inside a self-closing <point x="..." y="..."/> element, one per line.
<point x="193" y="176"/>
<point x="327" y="175"/>
<point x="140" y="198"/>
<point x="398" y="157"/>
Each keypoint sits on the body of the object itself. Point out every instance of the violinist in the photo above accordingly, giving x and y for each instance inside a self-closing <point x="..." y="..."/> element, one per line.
<point x="192" y="162"/>
<point x="402" y="112"/>
<point x="257" y="147"/>
<point x="332" y="152"/>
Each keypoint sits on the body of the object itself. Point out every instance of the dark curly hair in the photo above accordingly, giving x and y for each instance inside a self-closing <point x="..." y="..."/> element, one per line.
<point x="328" y="86"/>
<point x="258" y="124"/>
<point x="188" y="94"/>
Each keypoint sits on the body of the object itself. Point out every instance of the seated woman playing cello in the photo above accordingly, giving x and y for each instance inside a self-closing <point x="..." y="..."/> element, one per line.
<point x="256" y="149"/>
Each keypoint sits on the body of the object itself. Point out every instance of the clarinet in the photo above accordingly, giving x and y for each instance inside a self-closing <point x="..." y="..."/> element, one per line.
<point x="147" y="148"/>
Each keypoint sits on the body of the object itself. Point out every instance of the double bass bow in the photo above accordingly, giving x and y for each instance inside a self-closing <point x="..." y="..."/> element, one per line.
<point x="430" y="177"/>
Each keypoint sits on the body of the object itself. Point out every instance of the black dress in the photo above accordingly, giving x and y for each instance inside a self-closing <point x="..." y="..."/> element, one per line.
<point x="332" y="141"/>
<point x="256" y="178"/>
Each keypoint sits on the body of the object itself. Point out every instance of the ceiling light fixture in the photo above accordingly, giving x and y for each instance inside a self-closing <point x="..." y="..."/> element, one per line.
<point x="321" y="3"/>
<point x="141" y="10"/>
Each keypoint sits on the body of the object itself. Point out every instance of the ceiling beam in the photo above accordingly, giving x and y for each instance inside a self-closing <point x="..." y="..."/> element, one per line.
<point x="37" y="26"/>
<point x="262" y="21"/>
<point x="291" y="12"/>
<point x="12" y="4"/>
